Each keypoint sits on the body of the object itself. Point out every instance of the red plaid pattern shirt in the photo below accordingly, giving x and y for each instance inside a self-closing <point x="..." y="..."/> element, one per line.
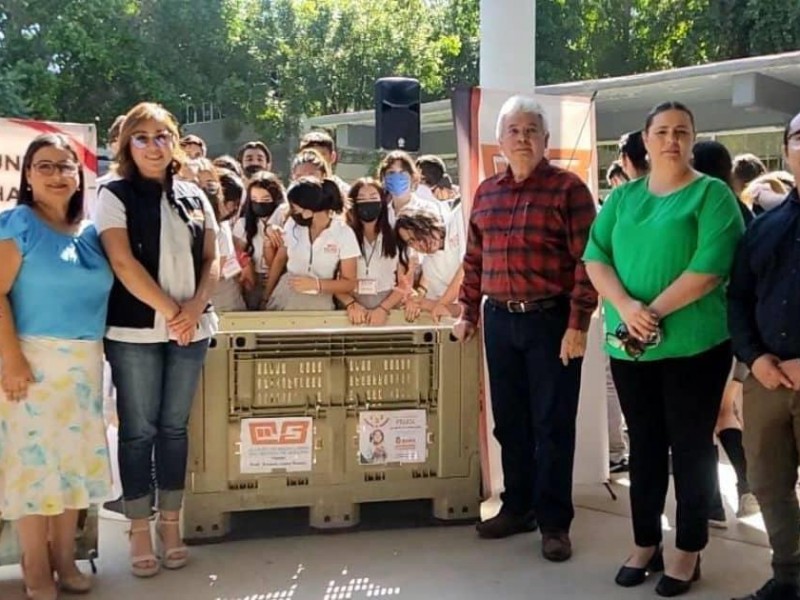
<point x="526" y="240"/>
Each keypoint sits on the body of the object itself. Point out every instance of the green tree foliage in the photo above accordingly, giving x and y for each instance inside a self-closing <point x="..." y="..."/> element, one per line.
<point x="268" y="63"/>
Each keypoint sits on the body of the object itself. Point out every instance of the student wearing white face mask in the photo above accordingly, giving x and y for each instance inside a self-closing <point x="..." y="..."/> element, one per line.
<point x="378" y="290"/>
<point x="316" y="248"/>
<point x="442" y="246"/>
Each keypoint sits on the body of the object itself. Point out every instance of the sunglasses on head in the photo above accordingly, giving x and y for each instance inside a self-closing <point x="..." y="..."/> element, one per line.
<point x="160" y="140"/>
<point x="633" y="347"/>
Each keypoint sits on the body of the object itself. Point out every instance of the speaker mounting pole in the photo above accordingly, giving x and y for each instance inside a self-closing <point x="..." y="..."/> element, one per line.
<point x="508" y="45"/>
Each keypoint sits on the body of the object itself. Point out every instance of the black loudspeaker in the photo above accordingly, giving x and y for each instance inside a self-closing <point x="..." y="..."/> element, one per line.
<point x="397" y="105"/>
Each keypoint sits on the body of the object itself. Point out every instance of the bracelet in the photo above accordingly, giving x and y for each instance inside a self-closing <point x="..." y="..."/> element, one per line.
<point x="423" y="289"/>
<point x="384" y="309"/>
<point x="349" y="304"/>
<point x="319" y="285"/>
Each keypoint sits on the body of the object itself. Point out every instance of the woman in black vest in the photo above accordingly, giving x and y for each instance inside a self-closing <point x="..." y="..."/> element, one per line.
<point x="160" y="237"/>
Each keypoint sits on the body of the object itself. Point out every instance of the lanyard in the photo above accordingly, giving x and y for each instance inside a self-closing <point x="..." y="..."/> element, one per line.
<point x="371" y="254"/>
<point x="311" y="250"/>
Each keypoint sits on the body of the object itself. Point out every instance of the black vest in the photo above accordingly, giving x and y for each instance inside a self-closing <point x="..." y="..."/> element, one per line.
<point x="142" y="201"/>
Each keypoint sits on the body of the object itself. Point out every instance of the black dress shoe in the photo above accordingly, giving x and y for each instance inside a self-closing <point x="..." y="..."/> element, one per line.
<point x="556" y="546"/>
<point x="633" y="576"/>
<point x="775" y="590"/>
<point x="505" y="525"/>
<point x="669" y="586"/>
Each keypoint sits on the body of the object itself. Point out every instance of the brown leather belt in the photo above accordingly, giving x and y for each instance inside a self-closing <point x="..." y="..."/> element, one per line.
<point x="526" y="306"/>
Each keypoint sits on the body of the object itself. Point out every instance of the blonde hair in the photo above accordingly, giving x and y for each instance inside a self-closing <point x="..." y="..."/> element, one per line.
<point x="776" y="180"/>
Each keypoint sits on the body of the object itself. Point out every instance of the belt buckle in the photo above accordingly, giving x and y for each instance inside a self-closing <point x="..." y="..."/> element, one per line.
<point x="515" y="306"/>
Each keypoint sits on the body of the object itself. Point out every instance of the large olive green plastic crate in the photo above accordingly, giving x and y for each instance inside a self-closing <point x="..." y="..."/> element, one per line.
<point x="316" y="365"/>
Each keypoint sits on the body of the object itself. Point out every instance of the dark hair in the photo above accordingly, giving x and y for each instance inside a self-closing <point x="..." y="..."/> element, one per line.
<point x="631" y="146"/>
<point x="254" y="146"/>
<point x="615" y="170"/>
<point x="383" y="225"/>
<point x="226" y="161"/>
<point x="311" y="193"/>
<point x="404" y="159"/>
<point x="431" y="169"/>
<point x="421" y="224"/>
<point x="206" y="166"/>
<point x="318" y="139"/>
<point x="51" y="140"/>
<point x="232" y="186"/>
<point x="746" y="167"/>
<point x="116" y="127"/>
<point x="272" y="184"/>
<point x="193" y="139"/>
<point x="146" y="111"/>
<point x="713" y="159"/>
<point x="310" y="156"/>
<point x="664" y="107"/>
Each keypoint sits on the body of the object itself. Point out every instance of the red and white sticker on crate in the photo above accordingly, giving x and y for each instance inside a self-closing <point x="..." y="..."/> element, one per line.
<point x="276" y="444"/>
<point x="392" y="436"/>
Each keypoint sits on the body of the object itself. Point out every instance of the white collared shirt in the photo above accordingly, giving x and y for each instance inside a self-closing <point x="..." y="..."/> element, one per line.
<point x="440" y="268"/>
<point x="336" y="243"/>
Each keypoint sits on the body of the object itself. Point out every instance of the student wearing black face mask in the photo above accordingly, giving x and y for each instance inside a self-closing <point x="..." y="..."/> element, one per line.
<point x="265" y="194"/>
<point x="315" y="247"/>
<point x="379" y="270"/>
<point x="254" y="158"/>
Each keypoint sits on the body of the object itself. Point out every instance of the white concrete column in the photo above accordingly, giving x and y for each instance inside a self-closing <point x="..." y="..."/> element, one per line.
<point x="508" y="45"/>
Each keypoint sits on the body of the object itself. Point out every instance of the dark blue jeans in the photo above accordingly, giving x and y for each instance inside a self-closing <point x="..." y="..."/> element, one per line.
<point x="156" y="384"/>
<point x="535" y="405"/>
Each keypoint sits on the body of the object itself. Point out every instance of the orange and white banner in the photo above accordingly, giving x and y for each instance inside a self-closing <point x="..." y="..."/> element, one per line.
<point x="572" y="144"/>
<point x="15" y="137"/>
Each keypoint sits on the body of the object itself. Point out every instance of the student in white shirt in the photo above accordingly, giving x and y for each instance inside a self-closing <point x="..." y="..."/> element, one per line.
<point x="379" y="269"/>
<point x="442" y="246"/>
<point x="265" y="195"/>
<point x="224" y="190"/>
<point x="316" y="248"/>
<point x="323" y="143"/>
<point x="400" y="178"/>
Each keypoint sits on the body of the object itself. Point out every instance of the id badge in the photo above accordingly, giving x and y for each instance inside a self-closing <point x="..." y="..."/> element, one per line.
<point x="230" y="267"/>
<point x="367" y="287"/>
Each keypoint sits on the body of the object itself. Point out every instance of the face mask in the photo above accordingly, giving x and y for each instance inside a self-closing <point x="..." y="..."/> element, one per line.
<point x="301" y="220"/>
<point x="368" y="211"/>
<point x="262" y="210"/>
<point x="397" y="183"/>
<point x="251" y="170"/>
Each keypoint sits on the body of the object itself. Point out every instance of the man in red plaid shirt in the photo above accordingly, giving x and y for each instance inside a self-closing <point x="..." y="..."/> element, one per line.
<point x="527" y="233"/>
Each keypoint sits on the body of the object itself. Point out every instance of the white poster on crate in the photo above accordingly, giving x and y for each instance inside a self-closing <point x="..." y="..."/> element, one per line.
<point x="395" y="436"/>
<point x="276" y="444"/>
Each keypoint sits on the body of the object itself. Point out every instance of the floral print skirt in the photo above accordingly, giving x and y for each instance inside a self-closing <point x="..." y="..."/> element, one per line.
<point x="53" y="450"/>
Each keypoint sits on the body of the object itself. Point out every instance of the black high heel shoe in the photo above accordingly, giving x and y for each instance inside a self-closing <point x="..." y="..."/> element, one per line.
<point x="633" y="576"/>
<point x="669" y="586"/>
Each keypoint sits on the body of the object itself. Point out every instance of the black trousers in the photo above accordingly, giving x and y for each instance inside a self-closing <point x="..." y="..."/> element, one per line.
<point x="672" y="403"/>
<point x="535" y="404"/>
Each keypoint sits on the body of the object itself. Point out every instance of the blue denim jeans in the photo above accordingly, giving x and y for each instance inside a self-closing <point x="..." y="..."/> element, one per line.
<point x="156" y="384"/>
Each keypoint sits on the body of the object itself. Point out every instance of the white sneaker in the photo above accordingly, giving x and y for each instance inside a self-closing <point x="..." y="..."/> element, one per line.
<point x="748" y="506"/>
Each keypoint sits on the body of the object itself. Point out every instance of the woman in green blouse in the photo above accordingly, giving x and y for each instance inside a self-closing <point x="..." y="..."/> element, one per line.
<point x="659" y="254"/>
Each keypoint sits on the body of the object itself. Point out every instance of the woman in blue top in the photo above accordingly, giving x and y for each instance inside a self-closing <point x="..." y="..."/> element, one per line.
<point x="54" y="289"/>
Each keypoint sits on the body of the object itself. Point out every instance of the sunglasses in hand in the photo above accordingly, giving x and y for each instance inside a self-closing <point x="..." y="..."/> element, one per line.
<point x="633" y="347"/>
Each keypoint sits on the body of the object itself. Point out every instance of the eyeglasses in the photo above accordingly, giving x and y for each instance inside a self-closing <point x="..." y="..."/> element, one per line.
<point x="48" y="169"/>
<point x="142" y="140"/>
<point x="633" y="347"/>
